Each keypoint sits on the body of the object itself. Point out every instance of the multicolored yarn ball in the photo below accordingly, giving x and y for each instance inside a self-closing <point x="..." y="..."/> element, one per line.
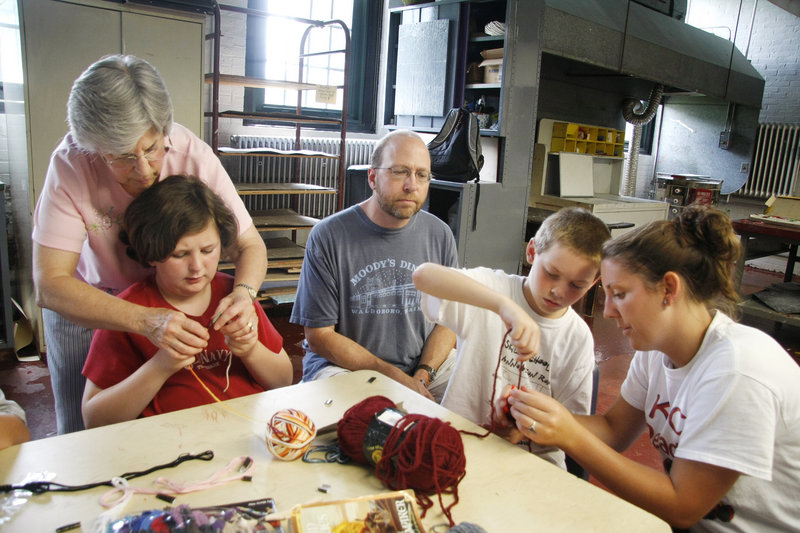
<point x="289" y="434"/>
<point x="420" y="452"/>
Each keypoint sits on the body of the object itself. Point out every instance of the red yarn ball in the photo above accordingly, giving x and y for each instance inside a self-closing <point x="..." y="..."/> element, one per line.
<point x="353" y="426"/>
<point x="422" y="453"/>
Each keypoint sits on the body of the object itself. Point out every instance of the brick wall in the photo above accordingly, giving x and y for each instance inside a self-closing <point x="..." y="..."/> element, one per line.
<point x="773" y="47"/>
<point x="775" y="52"/>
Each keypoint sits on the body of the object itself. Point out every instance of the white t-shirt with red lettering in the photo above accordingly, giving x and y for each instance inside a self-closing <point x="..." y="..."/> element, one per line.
<point x="562" y="368"/>
<point x="735" y="405"/>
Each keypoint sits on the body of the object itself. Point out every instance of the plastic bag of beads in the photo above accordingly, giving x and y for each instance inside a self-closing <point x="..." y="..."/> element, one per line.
<point x="239" y="517"/>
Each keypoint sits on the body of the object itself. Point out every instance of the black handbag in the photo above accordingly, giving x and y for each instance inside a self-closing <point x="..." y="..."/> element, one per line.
<point x="456" y="152"/>
<point x="456" y="149"/>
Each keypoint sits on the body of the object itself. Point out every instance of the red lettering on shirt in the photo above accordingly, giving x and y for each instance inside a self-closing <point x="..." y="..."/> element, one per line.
<point x="669" y="414"/>
<point x="671" y="419"/>
<point x="661" y="444"/>
<point x="660" y="407"/>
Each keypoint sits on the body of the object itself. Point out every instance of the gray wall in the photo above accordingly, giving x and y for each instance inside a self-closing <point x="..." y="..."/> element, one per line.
<point x="689" y="140"/>
<point x="775" y="52"/>
<point x="587" y="100"/>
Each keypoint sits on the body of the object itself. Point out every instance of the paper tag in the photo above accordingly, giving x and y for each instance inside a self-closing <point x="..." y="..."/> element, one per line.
<point x="378" y="431"/>
<point x="326" y="94"/>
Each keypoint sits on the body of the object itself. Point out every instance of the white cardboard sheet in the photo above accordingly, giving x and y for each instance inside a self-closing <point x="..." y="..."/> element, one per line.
<point x="575" y="174"/>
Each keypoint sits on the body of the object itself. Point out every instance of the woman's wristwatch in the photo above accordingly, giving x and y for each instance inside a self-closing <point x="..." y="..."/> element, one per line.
<point x="250" y="290"/>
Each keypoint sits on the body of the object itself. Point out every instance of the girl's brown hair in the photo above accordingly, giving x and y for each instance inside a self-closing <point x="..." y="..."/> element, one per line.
<point x="171" y="208"/>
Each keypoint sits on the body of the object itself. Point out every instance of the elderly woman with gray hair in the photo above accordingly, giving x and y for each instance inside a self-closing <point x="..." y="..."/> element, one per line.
<point x="121" y="141"/>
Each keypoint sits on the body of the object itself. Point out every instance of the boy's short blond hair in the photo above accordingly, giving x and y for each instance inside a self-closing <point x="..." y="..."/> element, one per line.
<point x="574" y="227"/>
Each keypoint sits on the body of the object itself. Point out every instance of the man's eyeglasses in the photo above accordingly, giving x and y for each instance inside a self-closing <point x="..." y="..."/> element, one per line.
<point x="152" y="155"/>
<point x="402" y="174"/>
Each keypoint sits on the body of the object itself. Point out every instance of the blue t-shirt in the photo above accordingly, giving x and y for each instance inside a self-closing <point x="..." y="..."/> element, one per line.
<point x="357" y="276"/>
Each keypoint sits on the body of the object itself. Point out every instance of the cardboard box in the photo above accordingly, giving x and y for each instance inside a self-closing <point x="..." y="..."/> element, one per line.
<point x="783" y="206"/>
<point x="492" y="70"/>
<point x="492" y="53"/>
<point x="390" y="511"/>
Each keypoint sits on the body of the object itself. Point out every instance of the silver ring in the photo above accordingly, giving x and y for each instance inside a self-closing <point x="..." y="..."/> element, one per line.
<point x="532" y="429"/>
<point x="250" y="325"/>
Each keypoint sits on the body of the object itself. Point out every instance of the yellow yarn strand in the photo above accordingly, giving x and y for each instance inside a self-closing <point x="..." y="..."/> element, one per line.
<point x="220" y="402"/>
<point x="289" y="431"/>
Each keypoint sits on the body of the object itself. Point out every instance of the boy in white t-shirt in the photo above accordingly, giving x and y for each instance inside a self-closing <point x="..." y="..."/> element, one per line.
<point x="521" y="331"/>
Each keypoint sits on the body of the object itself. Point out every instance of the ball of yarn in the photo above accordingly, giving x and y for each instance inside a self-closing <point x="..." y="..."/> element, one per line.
<point x="289" y="434"/>
<point x="353" y="426"/>
<point x="420" y="452"/>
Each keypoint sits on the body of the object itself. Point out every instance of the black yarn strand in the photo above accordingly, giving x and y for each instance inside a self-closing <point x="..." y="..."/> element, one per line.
<point x="40" y="487"/>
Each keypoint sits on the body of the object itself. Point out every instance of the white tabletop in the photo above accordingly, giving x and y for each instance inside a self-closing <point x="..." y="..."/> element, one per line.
<point x="505" y="488"/>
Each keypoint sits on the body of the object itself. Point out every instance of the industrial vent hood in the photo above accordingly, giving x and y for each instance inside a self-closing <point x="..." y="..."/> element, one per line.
<point x="632" y="40"/>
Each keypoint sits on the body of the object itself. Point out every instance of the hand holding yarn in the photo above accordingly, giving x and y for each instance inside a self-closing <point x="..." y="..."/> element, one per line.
<point x="523" y="331"/>
<point x="289" y="434"/>
<point x="502" y="409"/>
<point x="174" y="332"/>
<point x="542" y="418"/>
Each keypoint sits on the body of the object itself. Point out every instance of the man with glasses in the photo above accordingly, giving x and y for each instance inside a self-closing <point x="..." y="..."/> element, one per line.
<point x="121" y="141"/>
<point x="356" y="298"/>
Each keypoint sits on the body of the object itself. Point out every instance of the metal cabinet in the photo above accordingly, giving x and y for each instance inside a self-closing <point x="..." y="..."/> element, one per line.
<point x="436" y="48"/>
<point x="59" y="40"/>
<point x="480" y="222"/>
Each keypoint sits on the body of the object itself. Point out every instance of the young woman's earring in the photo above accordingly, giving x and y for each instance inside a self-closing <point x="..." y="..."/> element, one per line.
<point x="666" y="302"/>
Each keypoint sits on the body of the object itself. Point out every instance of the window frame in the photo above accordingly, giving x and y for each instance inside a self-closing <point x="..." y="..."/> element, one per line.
<point x="362" y="104"/>
<point x="648" y="137"/>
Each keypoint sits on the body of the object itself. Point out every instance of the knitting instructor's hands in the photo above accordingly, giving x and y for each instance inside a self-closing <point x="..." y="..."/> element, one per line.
<point x="243" y="344"/>
<point x="175" y="333"/>
<point x="235" y="314"/>
<point x="504" y="424"/>
<point x="554" y="424"/>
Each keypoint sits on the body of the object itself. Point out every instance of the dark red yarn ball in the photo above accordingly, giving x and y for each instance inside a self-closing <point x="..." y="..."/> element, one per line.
<point x="420" y="453"/>
<point x="353" y="426"/>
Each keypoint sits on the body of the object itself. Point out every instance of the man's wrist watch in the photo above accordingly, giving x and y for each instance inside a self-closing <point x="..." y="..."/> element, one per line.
<point x="429" y="369"/>
<point x="250" y="290"/>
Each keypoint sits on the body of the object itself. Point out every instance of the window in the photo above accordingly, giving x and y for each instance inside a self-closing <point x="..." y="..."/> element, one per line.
<point x="273" y="46"/>
<point x="10" y="58"/>
<point x="648" y="136"/>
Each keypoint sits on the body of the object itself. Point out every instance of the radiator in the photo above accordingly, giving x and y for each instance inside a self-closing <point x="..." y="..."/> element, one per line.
<point x="776" y="161"/>
<point x="316" y="171"/>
